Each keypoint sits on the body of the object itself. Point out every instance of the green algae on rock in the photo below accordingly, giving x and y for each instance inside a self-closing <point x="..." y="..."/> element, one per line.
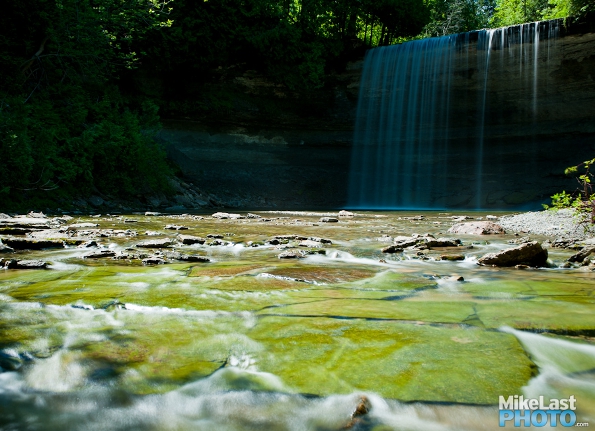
<point x="401" y="361"/>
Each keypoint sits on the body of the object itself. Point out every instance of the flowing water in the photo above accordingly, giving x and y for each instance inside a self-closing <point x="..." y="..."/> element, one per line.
<point x="249" y="341"/>
<point x="435" y="116"/>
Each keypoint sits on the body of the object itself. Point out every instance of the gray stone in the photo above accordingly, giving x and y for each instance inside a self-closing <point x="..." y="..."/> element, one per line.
<point x="452" y="257"/>
<point x="155" y="243"/>
<point x="344" y="213"/>
<point x="328" y="220"/>
<point x="441" y="242"/>
<point x="99" y="254"/>
<point x="25" y="264"/>
<point x="310" y="243"/>
<point x="175" y="227"/>
<point x="477" y="228"/>
<point x="530" y="253"/>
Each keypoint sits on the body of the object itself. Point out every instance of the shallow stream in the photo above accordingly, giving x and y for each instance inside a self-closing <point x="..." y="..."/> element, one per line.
<point x="249" y="341"/>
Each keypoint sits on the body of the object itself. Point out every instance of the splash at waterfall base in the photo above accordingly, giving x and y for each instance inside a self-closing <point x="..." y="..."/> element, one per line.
<point x="484" y="119"/>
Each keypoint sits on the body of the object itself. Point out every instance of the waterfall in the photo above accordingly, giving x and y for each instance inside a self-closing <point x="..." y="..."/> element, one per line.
<point x="432" y="114"/>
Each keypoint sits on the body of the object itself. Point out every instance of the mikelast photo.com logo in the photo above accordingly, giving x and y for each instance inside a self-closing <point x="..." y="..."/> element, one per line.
<point x="538" y="412"/>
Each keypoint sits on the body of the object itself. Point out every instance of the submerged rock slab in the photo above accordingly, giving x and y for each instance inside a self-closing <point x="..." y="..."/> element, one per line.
<point x="538" y="315"/>
<point x="477" y="228"/>
<point x="530" y="253"/>
<point x="396" y="360"/>
<point x="415" y="311"/>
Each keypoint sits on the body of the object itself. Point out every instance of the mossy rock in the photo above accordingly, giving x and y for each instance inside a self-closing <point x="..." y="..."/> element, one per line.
<point x="402" y="361"/>
<point x="324" y="274"/>
<point x="423" y="311"/>
<point x="539" y="315"/>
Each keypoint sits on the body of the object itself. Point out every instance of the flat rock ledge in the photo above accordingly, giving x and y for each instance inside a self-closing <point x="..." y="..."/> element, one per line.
<point x="530" y="253"/>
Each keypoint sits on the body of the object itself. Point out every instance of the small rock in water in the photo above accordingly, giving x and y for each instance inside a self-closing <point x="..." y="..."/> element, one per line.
<point x="25" y="264"/>
<point x="189" y="239"/>
<point x="328" y="220"/>
<point x="156" y="243"/>
<point x="88" y="244"/>
<point x="99" y="254"/>
<point x="152" y="214"/>
<point x="310" y="243"/>
<point x="344" y="213"/>
<point x="10" y="361"/>
<point x="215" y="236"/>
<point x="582" y="255"/>
<point x="452" y="257"/>
<point x="153" y="260"/>
<point x="175" y="227"/>
<point x="250" y="215"/>
<point x="392" y="249"/>
<point x="290" y="255"/>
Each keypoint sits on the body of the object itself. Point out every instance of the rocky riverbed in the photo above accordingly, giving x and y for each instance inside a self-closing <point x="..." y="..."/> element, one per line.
<point x="289" y="320"/>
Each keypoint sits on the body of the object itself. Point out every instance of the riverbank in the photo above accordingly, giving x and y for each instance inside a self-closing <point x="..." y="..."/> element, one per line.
<point x="557" y="224"/>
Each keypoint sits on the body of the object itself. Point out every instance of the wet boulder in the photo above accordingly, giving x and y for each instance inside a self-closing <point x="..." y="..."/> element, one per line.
<point x="189" y="239"/>
<point x="530" y="253"/>
<point x="477" y="228"/>
<point x="290" y="254"/>
<point x="329" y="220"/>
<point x="344" y="213"/>
<point x="155" y="243"/>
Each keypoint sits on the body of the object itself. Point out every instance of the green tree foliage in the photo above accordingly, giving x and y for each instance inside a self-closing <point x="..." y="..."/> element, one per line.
<point x="510" y="12"/>
<point x="583" y="199"/>
<point x="65" y="129"/>
<point x="458" y="16"/>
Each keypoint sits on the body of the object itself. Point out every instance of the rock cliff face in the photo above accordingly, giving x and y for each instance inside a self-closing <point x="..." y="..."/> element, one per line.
<point x="274" y="148"/>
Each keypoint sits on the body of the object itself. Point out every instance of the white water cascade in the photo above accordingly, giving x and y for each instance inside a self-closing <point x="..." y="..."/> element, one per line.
<point x="435" y="110"/>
